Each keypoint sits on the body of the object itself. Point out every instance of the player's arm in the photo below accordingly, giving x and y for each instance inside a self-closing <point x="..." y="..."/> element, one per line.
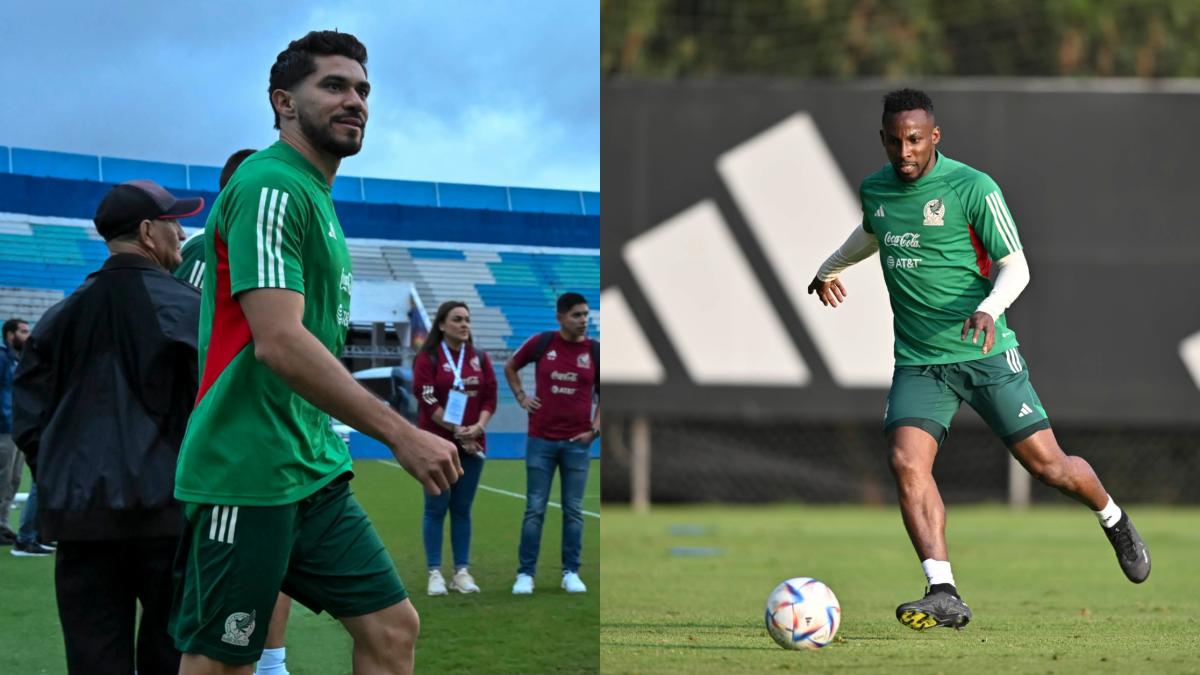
<point x="511" y="367"/>
<point x="425" y="389"/>
<point x="284" y="345"/>
<point x="487" y="400"/>
<point x="993" y="224"/>
<point x="859" y="246"/>
<point x="1012" y="278"/>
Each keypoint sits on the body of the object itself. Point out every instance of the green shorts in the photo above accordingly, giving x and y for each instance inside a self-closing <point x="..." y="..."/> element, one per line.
<point x="997" y="387"/>
<point x="234" y="560"/>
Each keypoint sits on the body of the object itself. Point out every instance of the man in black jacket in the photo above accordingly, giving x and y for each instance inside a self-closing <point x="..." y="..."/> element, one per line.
<point x="100" y="403"/>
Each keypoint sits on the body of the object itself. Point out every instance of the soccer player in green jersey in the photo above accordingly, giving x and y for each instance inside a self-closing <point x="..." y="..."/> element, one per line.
<point x="262" y="475"/>
<point x="191" y="269"/>
<point x="940" y="228"/>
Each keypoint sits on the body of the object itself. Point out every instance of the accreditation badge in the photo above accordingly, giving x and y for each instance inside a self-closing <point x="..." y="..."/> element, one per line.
<point x="456" y="406"/>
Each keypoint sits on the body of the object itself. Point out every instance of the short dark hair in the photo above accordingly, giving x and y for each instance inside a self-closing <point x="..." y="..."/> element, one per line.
<point x="296" y="62"/>
<point x="12" y="325"/>
<point x="235" y="160"/>
<point x="906" y="99"/>
<point x="568" y="300"/>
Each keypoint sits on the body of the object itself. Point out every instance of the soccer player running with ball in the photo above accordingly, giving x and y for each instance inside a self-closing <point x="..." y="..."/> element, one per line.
<point x="939" y="226"/>
<point x="263" y="477"/>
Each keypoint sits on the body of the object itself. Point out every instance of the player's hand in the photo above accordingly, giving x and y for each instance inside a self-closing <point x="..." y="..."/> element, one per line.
<point x="831" y="293"/>
<point x="530" y="403"/>
<point x="470" y="447"/>
<point x="469" y="432"/>
<point x="430" y="459"/>
<point x="980" y="322"/>
<point x="585" y="437"/>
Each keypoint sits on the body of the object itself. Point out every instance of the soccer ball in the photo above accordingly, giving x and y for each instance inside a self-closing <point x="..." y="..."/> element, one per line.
<point x="803" y="613"/>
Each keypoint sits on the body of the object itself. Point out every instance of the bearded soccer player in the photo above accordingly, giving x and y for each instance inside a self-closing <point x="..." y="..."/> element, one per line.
<point x="939" y="227"/>
<point x="263" y="477"/>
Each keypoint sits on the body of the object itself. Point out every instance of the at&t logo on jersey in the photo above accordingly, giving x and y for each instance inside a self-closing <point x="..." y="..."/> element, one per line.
<point x="906" y="240"/>
<point x="903" y="263"/>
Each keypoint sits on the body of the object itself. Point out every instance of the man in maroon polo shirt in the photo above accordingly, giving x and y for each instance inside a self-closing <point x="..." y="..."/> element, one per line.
<point x="562" y="427"/>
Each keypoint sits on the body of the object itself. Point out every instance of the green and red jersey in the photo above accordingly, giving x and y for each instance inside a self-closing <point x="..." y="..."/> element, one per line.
<point x="252" y="440"/>
<point x="938" y="237"/>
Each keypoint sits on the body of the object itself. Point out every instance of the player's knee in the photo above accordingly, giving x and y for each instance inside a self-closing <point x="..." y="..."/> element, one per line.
<point x="905" y="463"/>
<point x="397" y="637"/>
<point x="1052" y="472"/>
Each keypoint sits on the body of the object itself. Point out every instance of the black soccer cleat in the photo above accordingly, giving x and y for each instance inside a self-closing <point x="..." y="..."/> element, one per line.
<point x="1132" y="553"/>
<point x="937" y="608"/>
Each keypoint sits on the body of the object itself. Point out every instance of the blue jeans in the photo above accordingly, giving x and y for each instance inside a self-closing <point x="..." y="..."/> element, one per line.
<point x="457" y="500"/>
<point x="28" y="532"/>
<point x="542" y="456"/>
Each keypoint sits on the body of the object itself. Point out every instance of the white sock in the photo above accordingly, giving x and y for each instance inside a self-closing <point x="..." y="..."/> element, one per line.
<point x="271" y="662"/>
<point x="937" y="571"/>
<point x="1110" y="514"/>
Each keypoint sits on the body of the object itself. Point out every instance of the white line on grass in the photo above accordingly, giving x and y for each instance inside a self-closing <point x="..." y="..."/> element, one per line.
<point x="499" y="491"/>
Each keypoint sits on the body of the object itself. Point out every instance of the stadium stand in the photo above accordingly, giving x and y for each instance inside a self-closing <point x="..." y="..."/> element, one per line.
<point x="507" y="252"/>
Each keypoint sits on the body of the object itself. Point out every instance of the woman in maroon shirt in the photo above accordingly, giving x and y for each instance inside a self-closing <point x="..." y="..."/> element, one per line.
<point x="455" y="388"/>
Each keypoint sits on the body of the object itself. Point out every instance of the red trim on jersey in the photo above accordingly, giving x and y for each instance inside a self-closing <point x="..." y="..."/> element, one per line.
<point x="982" y="261"/>
<point x="230" y="330"/>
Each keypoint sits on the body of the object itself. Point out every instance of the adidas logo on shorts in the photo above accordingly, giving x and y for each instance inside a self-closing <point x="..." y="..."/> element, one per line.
<point x="1025" y="410"/>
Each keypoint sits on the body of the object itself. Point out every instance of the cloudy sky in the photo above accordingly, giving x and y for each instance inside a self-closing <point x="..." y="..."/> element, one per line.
<point x="501" y="92"/>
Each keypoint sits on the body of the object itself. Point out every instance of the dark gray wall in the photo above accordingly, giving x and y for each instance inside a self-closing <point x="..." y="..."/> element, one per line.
<point x="1102" y="185"/>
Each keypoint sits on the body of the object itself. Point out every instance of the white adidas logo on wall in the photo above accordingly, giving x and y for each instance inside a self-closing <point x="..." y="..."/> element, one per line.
<point x="696" y="278"/>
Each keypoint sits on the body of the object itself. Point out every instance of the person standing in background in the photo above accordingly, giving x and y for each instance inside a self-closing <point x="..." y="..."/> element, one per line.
<point x="100" y="403"/>
<point x="456" y="389"/>
<point x="16" y="332"/>
<point x="561" y="430"/>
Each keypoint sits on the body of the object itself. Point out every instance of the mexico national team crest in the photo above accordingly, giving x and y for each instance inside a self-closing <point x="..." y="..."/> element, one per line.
<point x="238" y="628"/>
<point x="584" y="361"/>
<point x="475" y="363"/>
<point x="935" y="210"/>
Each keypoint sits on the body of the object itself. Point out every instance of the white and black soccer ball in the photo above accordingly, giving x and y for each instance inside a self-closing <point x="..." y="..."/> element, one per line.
<point x="803" y="613"/>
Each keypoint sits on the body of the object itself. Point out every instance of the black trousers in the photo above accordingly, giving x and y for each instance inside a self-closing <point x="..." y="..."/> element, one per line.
<point x="99" y="585"/>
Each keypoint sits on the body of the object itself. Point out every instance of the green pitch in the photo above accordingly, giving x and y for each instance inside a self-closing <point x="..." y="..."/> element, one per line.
<point x="684" y="590"/>
<point x="492" y="632"/>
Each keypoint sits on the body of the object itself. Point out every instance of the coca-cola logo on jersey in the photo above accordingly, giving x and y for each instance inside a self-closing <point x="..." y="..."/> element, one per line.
<point x="564" y="377"/>
<point x="906" y="240"/>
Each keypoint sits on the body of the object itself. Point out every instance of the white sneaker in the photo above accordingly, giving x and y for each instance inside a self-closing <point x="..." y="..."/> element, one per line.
<point x="573" y="583"/>
<point x="463" y="582"/>
<point x="524" y="585"/>
<point x="437" y="585"/>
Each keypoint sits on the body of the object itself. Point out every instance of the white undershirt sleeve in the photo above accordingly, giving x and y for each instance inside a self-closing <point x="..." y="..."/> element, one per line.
<point x="857" y="247"/>
<point x="1011" y="279"/>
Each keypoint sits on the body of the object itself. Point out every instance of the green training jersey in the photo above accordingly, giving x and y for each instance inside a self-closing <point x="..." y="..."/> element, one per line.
<point x="251" y="439"/>
<point x="191" y="269"/>
<point x="938" y="237"/>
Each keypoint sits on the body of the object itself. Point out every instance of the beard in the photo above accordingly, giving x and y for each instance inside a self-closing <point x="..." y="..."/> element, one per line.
<point x="324" y="138"/>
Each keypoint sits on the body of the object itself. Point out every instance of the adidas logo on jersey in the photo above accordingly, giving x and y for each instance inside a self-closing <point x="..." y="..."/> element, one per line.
<point x="879" y="212"/>
<point x="1025" y="410"/>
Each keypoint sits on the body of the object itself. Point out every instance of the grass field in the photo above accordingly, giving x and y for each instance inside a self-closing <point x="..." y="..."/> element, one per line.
<point x="492" y="632"/>
<point x="684" y="590"/>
